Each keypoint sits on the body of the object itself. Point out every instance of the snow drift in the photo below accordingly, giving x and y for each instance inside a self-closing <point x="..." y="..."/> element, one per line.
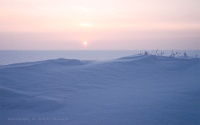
<point x="140" y="90"/>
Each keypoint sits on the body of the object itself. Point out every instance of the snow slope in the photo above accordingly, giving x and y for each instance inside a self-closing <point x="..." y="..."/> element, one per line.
<point x="134" y="90"/>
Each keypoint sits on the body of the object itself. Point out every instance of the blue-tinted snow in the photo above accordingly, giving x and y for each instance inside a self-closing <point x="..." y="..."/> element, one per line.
<point x="134" y="90"/>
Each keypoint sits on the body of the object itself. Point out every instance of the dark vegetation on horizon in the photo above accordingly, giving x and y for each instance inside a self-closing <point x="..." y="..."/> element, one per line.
<point x="161" y="53"/>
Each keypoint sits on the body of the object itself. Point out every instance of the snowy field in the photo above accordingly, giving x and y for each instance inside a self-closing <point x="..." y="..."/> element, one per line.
<point x="133" y="90"/>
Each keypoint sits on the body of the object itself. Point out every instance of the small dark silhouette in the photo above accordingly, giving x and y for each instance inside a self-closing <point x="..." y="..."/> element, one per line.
<point x="146" y="53"/>
<point x="161" y="53"/>
<point x="185" y="54"/>
<point x="173" y="54"/>
<point x="140" y="53"/>
<point x="156" y="53"/>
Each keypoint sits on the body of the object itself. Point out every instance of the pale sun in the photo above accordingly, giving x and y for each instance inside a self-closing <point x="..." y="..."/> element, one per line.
<point x="86" y="24"/>
<point x="85" y="43"/>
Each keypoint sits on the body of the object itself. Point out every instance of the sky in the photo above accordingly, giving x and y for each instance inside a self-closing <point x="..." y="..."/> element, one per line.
<point x="99" y="24"/>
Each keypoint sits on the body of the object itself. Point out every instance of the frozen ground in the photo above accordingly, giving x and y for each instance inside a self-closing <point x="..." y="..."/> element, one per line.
<point x="134" y="90"/>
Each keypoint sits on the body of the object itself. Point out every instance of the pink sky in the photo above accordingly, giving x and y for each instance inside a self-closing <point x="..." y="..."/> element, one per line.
<point x="103" y="24"/>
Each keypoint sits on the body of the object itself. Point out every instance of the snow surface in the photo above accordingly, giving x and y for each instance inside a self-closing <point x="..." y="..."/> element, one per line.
<point x="134" y="90"/>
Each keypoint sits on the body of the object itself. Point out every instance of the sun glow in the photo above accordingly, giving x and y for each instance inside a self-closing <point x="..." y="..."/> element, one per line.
<point x="85" y="43"/>
<point x="86" y="24"/>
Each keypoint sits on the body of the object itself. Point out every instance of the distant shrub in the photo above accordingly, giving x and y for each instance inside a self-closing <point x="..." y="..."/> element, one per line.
<point x="173" y="54"/>
<point x="140" y="53"/>
<point x="146" y="53"/>
<point x="161" y="53"/>
<point x="158" y="54"/>
<point x="185" y="54"/>
<point x="151" y="53"/>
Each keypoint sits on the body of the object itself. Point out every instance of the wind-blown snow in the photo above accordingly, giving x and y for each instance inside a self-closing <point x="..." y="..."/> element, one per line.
<point x="134" y="90"/>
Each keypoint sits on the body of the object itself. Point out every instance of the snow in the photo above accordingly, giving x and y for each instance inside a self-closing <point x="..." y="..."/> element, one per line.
<point x="141" y="90"/>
